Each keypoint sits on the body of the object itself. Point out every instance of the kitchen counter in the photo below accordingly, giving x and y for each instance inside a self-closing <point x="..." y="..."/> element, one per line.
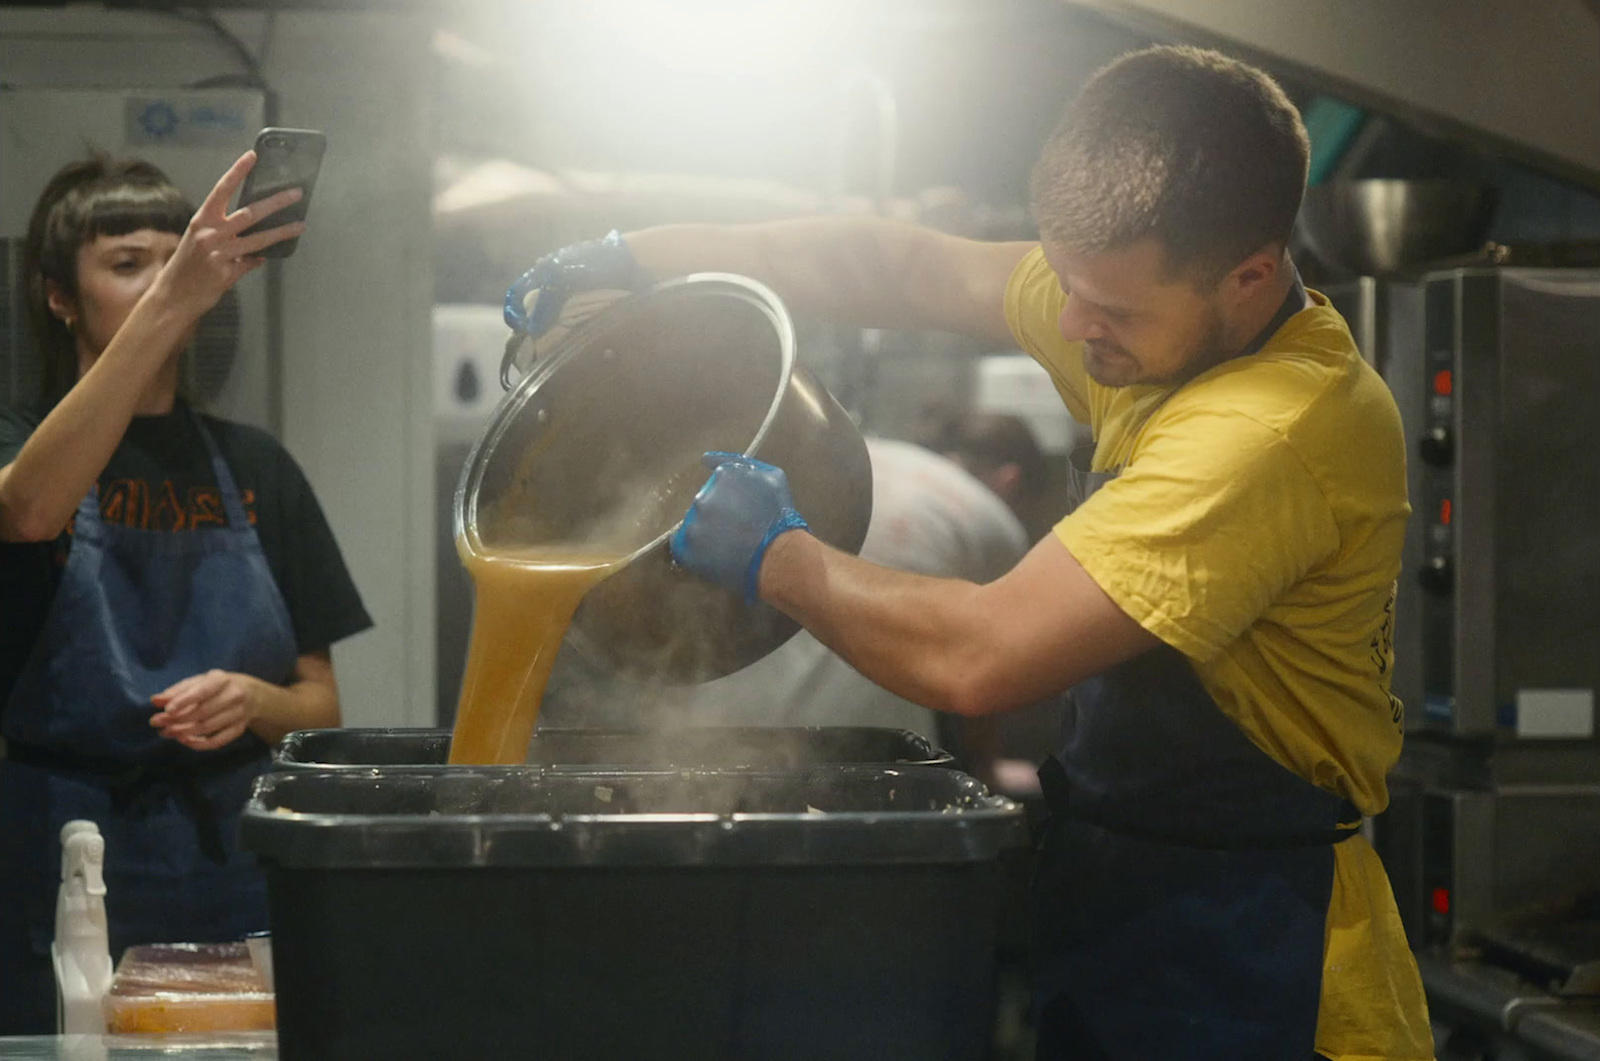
<point x="219" y="1046"/>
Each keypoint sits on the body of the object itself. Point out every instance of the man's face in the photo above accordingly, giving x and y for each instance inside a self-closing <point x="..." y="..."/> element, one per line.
<point x="1137" y="324"/>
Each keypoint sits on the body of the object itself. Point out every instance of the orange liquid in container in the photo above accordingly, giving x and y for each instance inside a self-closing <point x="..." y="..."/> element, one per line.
<point x="525" y="601"/>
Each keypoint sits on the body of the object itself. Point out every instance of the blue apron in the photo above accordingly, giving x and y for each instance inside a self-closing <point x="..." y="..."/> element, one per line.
<point x="136" y="611"/>
<point x="1183" y="883"/>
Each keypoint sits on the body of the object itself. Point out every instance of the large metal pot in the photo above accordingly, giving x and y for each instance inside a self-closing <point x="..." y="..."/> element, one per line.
<point x="602" y="442"/>
<point x="1381" y="227"/>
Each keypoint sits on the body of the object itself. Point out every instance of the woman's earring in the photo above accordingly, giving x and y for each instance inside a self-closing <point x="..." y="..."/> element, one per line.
<point x="71" y="323"/>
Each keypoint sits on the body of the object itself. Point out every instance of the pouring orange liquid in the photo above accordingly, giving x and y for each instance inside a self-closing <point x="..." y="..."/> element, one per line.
<point x="525" y="601"/>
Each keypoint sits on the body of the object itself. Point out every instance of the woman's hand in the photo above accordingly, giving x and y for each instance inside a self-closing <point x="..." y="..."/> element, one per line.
<point x="212" y="255"/>
<point x="207" y="711"/>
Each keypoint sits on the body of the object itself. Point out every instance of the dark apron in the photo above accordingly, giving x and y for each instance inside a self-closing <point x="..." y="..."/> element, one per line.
<point x="136" y="611"/>
<point x="1184" y="877"/>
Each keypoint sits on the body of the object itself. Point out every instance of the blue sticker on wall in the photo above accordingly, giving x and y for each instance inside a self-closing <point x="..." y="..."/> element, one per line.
<point x="159" y="120"/>
<point x="187" y="121"/>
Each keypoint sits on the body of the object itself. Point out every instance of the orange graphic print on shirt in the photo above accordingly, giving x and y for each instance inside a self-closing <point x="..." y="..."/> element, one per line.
<point x="143" y="505"/>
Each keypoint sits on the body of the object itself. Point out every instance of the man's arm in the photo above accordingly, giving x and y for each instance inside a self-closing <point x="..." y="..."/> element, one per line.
<point x="864" y="271"/>
<point x="952" y="645"/>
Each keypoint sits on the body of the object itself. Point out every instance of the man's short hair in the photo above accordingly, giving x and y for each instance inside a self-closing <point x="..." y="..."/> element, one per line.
<point x="1201" y="152"/>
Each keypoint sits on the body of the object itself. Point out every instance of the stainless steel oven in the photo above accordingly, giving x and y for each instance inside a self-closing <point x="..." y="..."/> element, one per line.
<point x="1497" y="374"/>
<point x="1495" y="805"/>
<point x="1481" y="834"/>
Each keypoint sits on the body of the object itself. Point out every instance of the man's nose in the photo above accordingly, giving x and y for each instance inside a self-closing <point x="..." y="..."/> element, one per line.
<point x="1077" y="324"/>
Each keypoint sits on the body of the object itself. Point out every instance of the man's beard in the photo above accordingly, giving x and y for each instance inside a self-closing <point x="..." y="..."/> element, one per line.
<point x="1110" y="365"/>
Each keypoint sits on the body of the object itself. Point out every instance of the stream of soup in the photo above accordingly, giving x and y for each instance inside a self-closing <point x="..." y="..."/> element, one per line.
<point x="525" y="600"/>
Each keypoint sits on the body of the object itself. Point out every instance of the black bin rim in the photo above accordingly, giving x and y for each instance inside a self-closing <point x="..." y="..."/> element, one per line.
<point x="973" y="825"/>
<point x="298" y="749"/>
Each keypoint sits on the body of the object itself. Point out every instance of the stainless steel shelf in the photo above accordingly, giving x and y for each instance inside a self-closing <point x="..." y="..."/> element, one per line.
<point x="222" y="1046"/>
<point x="1571" y="1034"/>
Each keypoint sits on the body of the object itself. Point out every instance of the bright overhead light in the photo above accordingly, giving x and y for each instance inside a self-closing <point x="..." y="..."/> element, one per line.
<point x="723" y="37"/>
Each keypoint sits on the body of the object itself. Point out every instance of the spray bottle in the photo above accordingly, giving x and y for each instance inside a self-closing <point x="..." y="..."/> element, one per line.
<point x="82" y="950"/>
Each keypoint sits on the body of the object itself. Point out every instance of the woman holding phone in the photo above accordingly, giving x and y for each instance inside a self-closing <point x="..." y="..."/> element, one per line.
<point x="171" y="586"/>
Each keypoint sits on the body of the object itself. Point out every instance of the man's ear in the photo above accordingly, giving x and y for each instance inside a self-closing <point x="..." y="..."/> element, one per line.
<point x="1257" y="272"/>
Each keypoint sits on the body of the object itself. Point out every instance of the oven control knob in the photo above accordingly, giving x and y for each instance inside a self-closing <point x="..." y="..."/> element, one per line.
<point x="1437" y="574"/>
<point x="1437" y="447"/>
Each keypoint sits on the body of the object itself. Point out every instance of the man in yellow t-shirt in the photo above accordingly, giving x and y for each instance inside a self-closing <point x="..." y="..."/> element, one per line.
<point x="1218" y="605"/>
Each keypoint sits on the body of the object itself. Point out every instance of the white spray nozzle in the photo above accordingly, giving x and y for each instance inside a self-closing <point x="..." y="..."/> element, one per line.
<point x="81" y="952"/>
<point x="83" y="852"/>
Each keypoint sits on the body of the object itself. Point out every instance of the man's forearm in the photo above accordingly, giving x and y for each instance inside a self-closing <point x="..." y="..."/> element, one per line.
<point x="914" y="635"/>
<point x="863" y="271"/>
<point x="951" y="645"/>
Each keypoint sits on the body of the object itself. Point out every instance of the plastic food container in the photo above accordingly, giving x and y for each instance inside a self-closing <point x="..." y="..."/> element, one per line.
<point x="188" y="987"/>
<point x="843" y="912"/>
<point x="722" y="747"/>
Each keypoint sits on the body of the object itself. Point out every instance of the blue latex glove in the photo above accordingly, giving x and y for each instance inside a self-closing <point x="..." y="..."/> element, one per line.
<point x="735" y="516"/>
<point x="598" y="265"/>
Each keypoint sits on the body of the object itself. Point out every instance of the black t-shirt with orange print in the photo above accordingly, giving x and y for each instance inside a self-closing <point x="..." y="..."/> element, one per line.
<point x="160" y="478"/>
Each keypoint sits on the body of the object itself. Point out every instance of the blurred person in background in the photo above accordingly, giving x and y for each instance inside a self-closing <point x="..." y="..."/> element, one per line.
<point x="171" y="587"/>
<point x="1218" y="605"/>
<point x="999" y="451"/>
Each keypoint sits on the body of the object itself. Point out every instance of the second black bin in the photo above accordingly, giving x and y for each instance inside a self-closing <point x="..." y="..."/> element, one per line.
<point x="732" y="747"/>
<point x="842" y="913"/>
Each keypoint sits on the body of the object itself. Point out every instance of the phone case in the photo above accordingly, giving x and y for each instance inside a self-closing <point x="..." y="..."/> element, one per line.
<point x="285" y="158"/>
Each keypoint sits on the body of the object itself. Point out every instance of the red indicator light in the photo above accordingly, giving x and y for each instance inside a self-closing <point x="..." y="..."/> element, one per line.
<point x="1443" y="383"/>
<point x="1444" y="512"/>
<point x="1440" y="900"/>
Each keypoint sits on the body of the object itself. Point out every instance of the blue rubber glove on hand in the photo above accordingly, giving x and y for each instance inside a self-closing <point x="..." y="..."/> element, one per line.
<point x="735" y="516"/>
<point x="598" y="265"/>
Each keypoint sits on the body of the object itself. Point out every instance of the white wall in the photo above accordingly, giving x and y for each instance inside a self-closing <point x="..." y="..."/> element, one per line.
<point x="358" y="335"/>
<point x="1526" y="73"/>
<point x="357" y="294"/>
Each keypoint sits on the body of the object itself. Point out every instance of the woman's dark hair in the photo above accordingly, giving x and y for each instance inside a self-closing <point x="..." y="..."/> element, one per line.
<point x="93" y="197"/>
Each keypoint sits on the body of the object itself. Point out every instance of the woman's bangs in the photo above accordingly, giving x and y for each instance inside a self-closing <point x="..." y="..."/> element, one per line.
<point x="125" y="208"/>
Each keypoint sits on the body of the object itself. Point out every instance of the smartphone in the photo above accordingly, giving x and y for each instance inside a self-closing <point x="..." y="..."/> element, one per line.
<point x="285" y="158"/>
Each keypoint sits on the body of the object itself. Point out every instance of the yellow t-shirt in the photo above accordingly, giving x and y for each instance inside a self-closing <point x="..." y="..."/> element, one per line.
<point x="1256" y="527"/>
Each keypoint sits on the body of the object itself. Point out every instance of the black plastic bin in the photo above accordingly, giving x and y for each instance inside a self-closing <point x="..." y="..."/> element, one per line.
<point x="718" y="747"/>
<point x="524" y="912"/>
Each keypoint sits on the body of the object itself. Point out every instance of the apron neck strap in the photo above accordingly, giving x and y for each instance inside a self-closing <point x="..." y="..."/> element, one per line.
<point x="1293" y="302"/>
<point x="232" y="500"/>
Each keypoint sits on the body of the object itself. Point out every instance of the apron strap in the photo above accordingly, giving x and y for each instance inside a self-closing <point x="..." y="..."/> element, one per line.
<point x="232" y="500"/>
<point x="1058" y="798"/>
<point x="1293" y="302"/>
